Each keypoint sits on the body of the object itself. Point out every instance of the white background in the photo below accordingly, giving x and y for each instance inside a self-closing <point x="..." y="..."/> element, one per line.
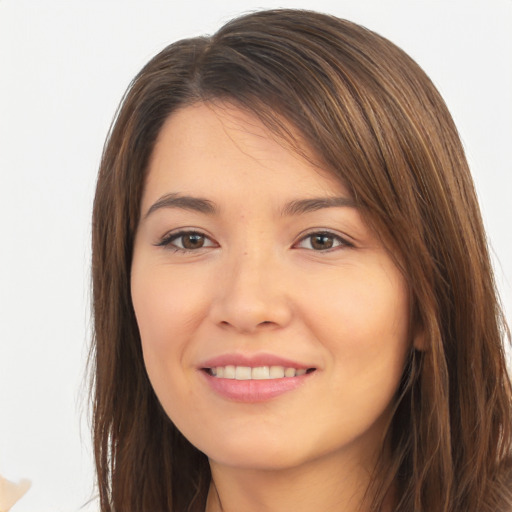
<point x="63" y="68"/>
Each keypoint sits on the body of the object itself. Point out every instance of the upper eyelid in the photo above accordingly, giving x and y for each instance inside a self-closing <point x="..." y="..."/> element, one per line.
<point x="324" y="231"/>
<point x="177" y="234"/>
<point x="341" y="243"/>
<point x="174" y="234"/>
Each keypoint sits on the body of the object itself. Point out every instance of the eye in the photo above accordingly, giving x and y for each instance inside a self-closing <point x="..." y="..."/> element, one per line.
<point x="186" y="241"/>
<point x="322" y="241"/>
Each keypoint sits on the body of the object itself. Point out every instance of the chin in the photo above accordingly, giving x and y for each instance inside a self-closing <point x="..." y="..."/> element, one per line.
<point x="257" y="459"/>
<point x="263" y="452"/>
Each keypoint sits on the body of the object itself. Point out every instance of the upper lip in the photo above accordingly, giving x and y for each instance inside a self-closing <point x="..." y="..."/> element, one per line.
<point x="253" y="360"/>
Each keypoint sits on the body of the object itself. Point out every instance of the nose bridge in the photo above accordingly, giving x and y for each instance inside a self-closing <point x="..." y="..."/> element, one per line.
<point x="252" y="269"/>
<point x="253" y="292"/>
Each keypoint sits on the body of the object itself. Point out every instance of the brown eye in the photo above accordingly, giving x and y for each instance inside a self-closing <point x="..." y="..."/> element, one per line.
<point x="192" y="241"/>
<point x="322" y="242"/>
<point x="186" y="241"/>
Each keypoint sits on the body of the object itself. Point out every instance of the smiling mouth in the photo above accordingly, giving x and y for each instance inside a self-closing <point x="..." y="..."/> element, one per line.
<point x="256" y="373"/>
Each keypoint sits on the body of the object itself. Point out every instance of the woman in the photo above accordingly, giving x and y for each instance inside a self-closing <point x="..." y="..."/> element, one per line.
<point x="294" y="305"/>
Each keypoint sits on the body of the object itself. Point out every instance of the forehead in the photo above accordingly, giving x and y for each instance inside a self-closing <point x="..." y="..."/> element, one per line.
<point x="221" y="149"/>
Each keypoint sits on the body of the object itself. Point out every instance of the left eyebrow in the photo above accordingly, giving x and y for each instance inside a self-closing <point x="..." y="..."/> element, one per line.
<point x="302" y="206"/>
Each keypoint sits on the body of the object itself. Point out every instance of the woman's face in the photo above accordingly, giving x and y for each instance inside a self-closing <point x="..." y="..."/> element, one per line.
<point x="274" y="325"/>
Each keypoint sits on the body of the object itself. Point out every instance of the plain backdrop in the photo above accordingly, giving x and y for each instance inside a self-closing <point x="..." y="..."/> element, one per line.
<point x="63" y="69"/>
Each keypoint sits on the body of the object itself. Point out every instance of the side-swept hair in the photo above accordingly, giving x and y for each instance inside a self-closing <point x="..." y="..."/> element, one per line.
<point x="374" y="119"/>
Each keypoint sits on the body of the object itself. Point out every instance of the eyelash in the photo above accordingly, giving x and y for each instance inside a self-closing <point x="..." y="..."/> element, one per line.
<point x="168" y="240"/>
<point x="337" y="239"/>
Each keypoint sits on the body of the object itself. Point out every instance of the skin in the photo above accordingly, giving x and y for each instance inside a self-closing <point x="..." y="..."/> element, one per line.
<point x="260" y="283"/>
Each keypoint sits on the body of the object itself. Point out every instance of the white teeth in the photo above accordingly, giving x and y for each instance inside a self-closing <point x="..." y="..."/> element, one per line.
<point x="229" y="372"/>
<point x="276" y="372"/>
<point x="243" y="373"/>
<point x="261" y="373"/>
<point x="289" y="372"/>
<point x="256" y="373"/>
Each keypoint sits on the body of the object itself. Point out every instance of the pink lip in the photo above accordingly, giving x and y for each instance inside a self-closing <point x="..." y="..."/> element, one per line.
<point x="251" y="391"/>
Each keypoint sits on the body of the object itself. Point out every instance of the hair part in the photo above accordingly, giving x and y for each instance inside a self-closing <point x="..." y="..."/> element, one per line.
<point x="370" y="116"/>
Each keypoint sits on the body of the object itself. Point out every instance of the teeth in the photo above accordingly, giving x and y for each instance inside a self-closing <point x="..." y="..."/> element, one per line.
<point x="256" y="373"/>
<point x="289" y="372"/>
<point x="242" y="373"/>
<point x="276" y="372"/>
<point x="229" y="372"/>
<point x="261" y="373"/>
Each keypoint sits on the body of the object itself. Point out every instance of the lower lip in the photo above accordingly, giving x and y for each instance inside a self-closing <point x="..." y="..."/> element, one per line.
<point x="254" y="390"/>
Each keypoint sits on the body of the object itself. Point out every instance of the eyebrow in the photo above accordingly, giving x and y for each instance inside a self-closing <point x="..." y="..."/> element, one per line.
<point x="201" y="205"/>
<point x="196" y="204"/>
<point x="310" y="205"/>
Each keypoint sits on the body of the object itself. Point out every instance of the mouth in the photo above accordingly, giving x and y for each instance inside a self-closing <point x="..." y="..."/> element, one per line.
<point x="256" y="373"/>
<point x="256" y="377"/>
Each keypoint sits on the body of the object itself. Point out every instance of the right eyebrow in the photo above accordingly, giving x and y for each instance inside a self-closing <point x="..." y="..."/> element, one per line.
<point x="174" y="200"/>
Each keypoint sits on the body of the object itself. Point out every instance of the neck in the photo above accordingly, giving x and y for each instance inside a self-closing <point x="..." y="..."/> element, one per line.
<point x="323" y="485"/>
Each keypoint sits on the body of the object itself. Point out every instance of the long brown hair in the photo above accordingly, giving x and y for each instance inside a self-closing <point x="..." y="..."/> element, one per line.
<point x="375" y="120"/>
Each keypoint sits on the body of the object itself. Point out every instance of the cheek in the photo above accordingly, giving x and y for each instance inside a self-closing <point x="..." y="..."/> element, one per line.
<point x="168" y="312"/>
<point x="364" y="324"/>
<point x="166" y="307"/>
<point x="364" y="327"/>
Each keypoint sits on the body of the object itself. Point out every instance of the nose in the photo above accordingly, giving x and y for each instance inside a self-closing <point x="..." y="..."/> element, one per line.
<point x="252" y="295"/>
